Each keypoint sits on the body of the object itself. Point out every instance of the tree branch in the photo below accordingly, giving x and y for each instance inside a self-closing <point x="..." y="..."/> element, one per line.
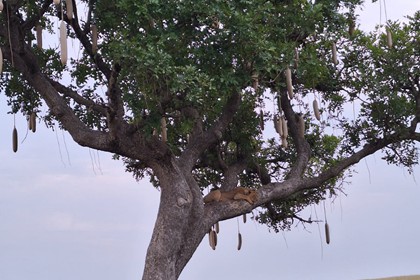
<point x="190" y="112"/>
<point x="231" y="175"/>
<point x="77" y="97"/>
<point x="26" y="63"/>
<point x="86" y="28"/>
<point x="282" y="190"/>
<point x="200" y="142"/>
<point x="29" y="23"/>
<point x="77" y="129"/>
<point x="116" y="110"/>
<point x="84" y="40"/>
<point x="261" y="171"/>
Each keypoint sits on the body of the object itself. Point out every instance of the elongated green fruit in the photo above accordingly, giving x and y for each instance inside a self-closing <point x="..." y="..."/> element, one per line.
<point x="327" y="233"/>
<point x="239" y="241"/>
<point x="288" y="74"/>
<point x="217" y="227"/>
<point x="388" y="37"/>
<point x="316" y="110"/>
<point x="63" y="43"/>
<point x="38" y="29"/>
<point x="334" y="54"/>
<point x="69" y="9"/>
<point x="244" y="218"/>
<point x="15" y="139"/>
<point x="94" y="30"/>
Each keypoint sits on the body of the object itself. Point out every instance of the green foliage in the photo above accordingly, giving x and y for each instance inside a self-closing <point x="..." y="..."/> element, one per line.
<point x="179" y="57"/>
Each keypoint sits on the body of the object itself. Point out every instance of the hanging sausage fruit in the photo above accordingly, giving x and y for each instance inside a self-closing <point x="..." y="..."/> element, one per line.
<point x="63" y="42"/>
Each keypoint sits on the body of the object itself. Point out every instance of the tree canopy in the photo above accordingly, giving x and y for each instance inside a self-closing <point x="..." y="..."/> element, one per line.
<point x="281" y="97"/>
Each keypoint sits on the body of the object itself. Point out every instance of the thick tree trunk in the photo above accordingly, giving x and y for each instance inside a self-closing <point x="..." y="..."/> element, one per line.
<point x="179" y="228"/>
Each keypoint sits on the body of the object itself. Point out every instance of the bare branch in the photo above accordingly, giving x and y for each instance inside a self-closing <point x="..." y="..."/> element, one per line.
<point x="77" y="97"/>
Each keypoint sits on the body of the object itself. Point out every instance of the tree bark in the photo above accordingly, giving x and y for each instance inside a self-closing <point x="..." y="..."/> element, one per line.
<point x="179" y="226"/>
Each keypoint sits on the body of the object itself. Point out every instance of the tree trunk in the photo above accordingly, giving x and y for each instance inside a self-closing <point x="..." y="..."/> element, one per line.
<point x="179" y="227"/>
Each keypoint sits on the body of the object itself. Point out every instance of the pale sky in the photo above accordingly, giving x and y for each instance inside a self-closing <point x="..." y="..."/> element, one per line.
<point x="78" y="215"/>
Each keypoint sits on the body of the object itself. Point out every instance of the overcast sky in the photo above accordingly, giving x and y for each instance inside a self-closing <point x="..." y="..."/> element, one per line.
<point x="68" y="212"/>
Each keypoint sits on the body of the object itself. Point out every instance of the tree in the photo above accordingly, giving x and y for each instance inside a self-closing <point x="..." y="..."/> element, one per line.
<point x="180" y="91"/>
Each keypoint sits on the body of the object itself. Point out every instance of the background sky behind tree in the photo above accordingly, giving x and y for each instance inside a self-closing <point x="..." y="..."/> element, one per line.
<point x="68" y="212"/>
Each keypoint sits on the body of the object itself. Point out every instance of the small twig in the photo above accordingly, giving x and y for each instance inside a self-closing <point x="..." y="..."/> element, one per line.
<point x="309" y="221"/>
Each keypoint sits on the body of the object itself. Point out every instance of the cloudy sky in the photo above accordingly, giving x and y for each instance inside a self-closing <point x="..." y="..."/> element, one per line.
<point x="68" y="212"/>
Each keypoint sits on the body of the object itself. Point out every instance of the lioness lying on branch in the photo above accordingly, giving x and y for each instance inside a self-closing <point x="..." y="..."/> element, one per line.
<point x="239" y="193"/>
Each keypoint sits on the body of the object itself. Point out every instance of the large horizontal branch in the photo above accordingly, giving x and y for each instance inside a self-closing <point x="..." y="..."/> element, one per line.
<point x="218" y="211"/>
<point x="283" y="190"/>
<point x="84" y="40"/>
<point x="278" y="190"/>
<point x="116" y="112"/>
